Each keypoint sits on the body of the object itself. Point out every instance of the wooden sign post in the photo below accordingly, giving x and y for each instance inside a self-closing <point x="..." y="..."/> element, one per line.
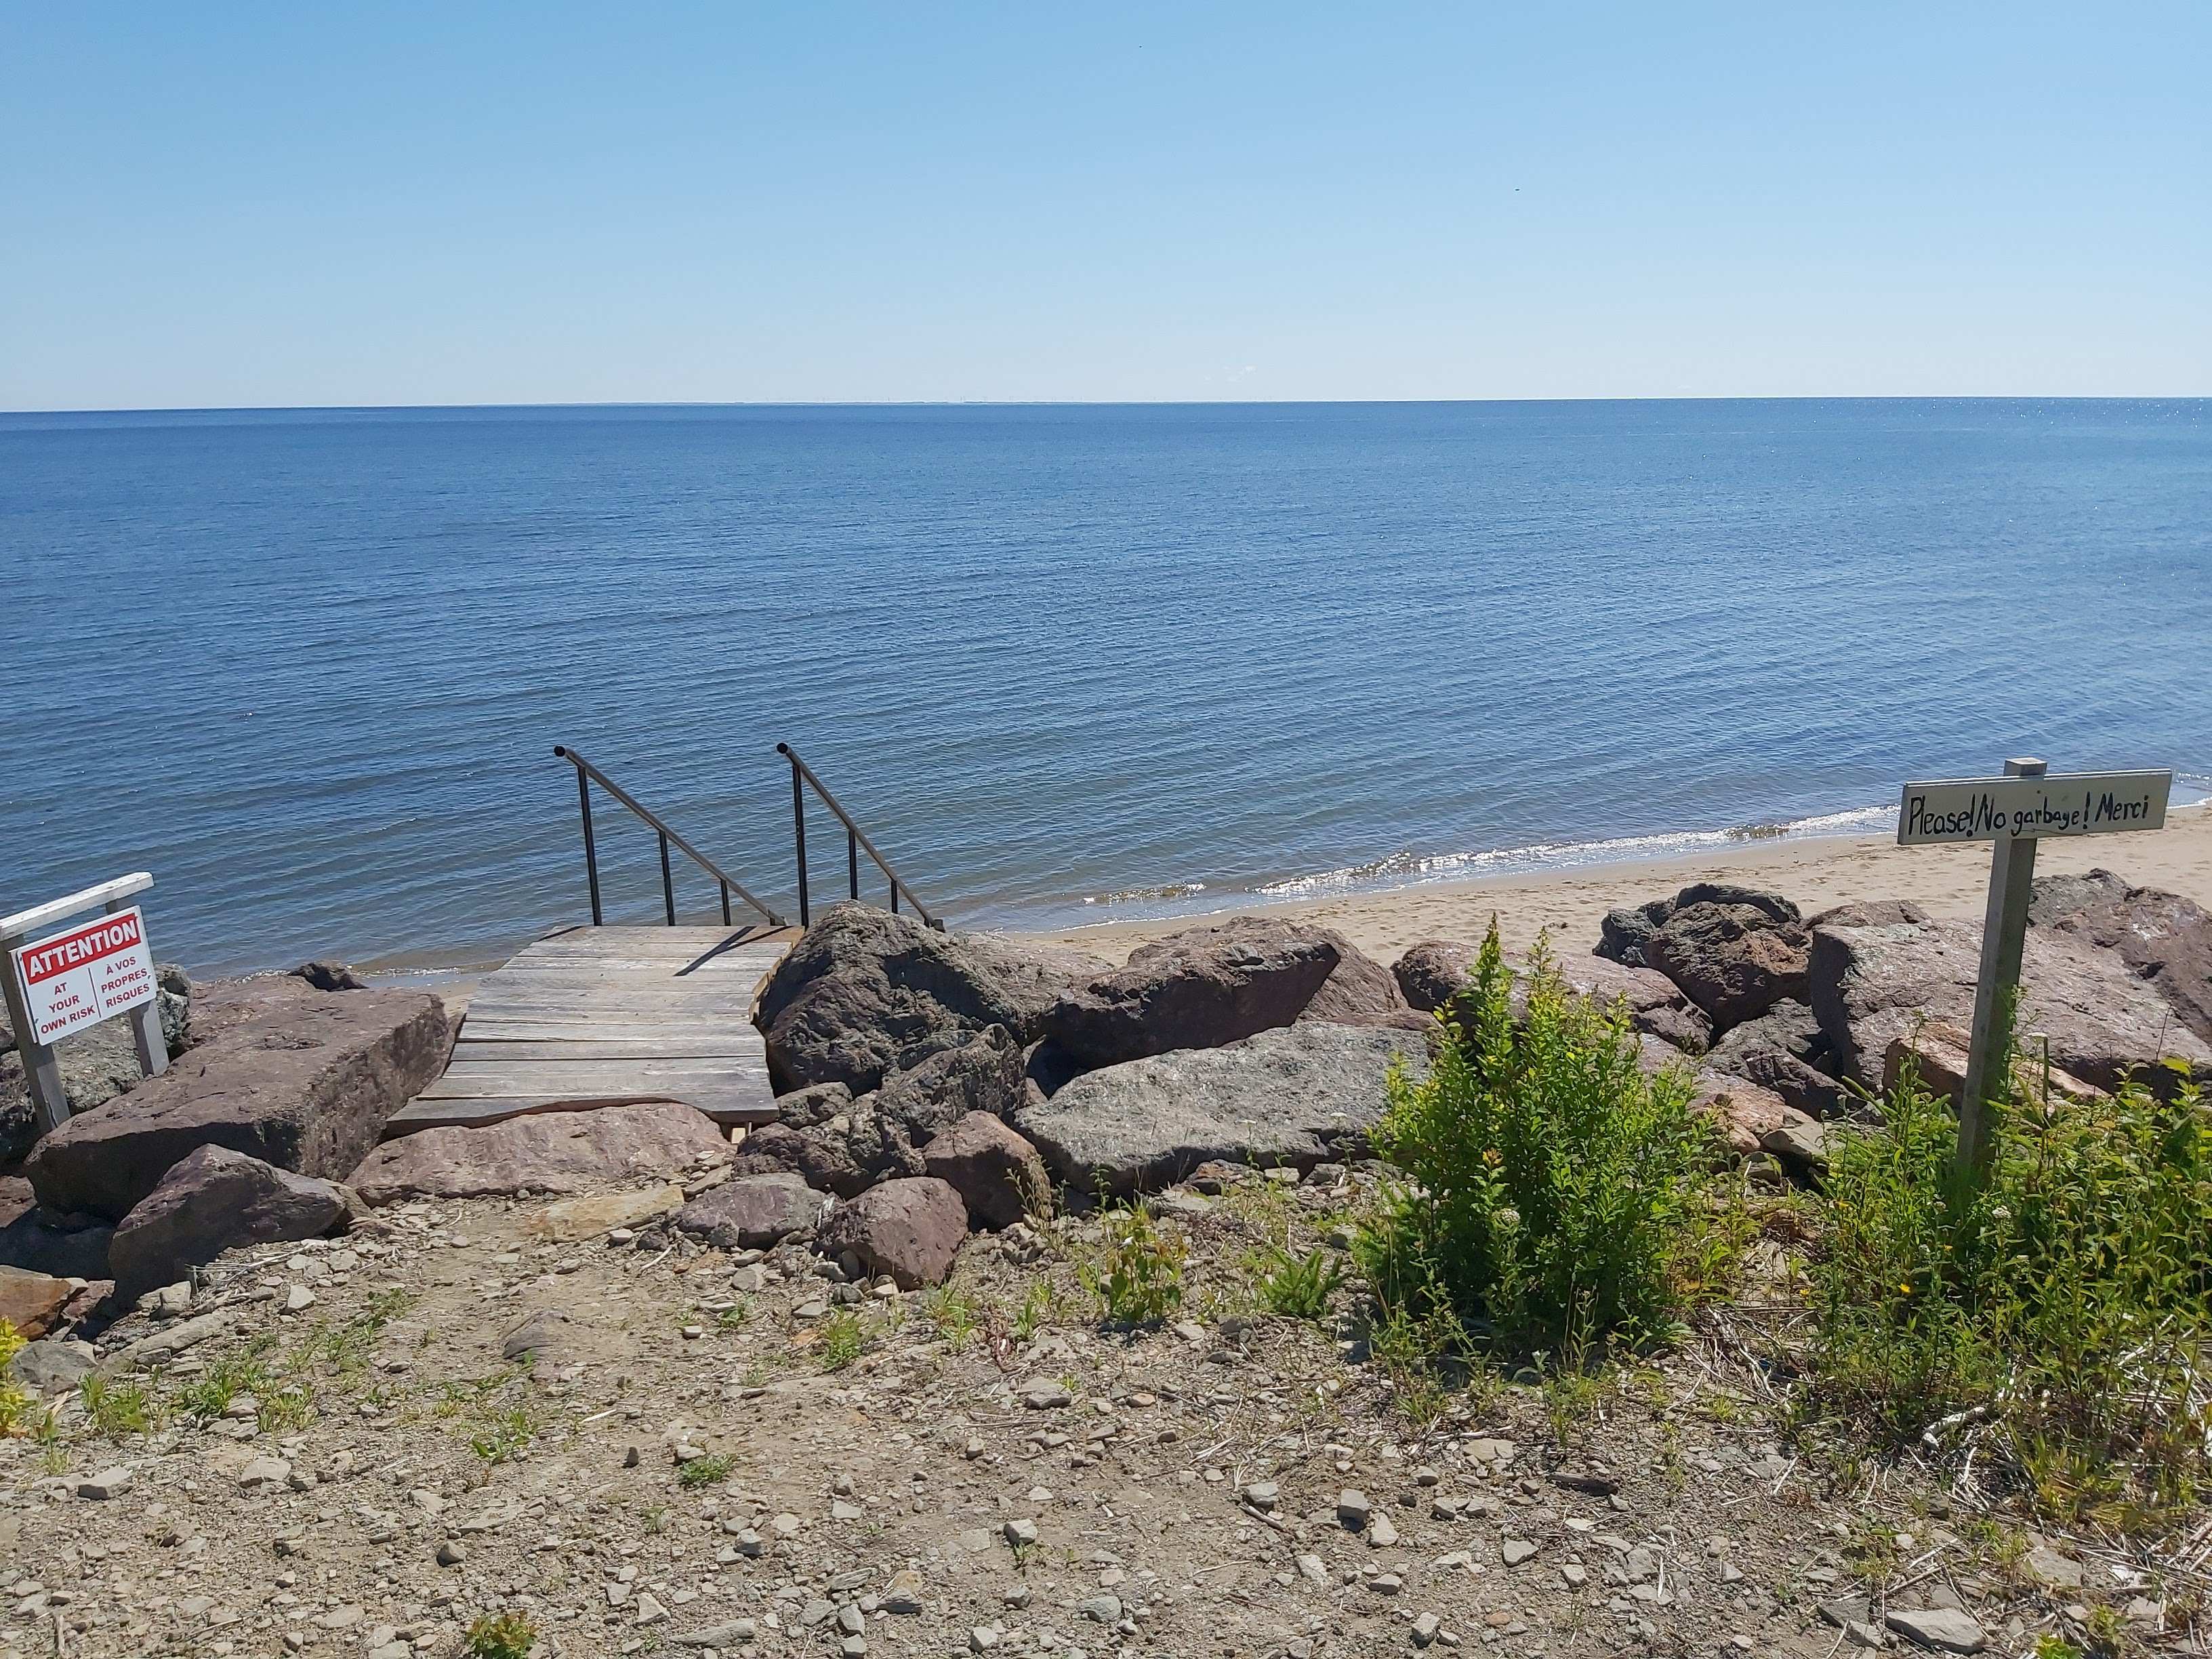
<point x="67" y="980"/>
<point x="2014" y="811"/>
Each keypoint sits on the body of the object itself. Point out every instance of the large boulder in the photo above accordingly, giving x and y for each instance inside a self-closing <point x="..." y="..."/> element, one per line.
<point x="1200" y="990"/>
<point x="2164" y="940"/>
<point x="1786" y="1050"/>
<point x="1430" y="973"/>
<point x="1734" y="961"/>
<point x="983" y="1074"/>
<point x="1741" y="1112"/>
<point x="1295" y="1095"/>
<point x="541" y="1152"/>
<point x="910" y="1229"/>
<point x="96" y="1065"/>
<point x="866" y="992"/>
<point x="1627" y="932"/>
<point x="998" y="1175"/>
<point x="211" y="1201"/>
<point x="754" y="1212"/>
<point x="307" y="1088"/>
<point x="1874" y="980"/>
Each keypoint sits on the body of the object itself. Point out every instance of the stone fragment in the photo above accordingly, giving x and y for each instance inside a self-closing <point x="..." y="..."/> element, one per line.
<point x="910" y="1229"/>
<point x="212" y="1200"/>
<point x="1734" y="961"/>
<point x="108" y="1482"/>
<point x="1945" y="1629"/>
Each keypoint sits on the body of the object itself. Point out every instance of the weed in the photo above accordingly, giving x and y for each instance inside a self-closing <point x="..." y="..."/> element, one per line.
<point x="1138" y="1277"/>
<point x="952" y="1313"/>
<point x="1036" y="1303"/>
<point x="840" y="1338"/>
<point x="2056" y="1647"/>
<point x="1295" y="1287"/>
<point x="735" y="1317"/>
<point x="654" y="1521"/>
<point x="504" y="1436"/>
<point x="500" y="1636"/>
<point x="705" y="1471"/>
<point x="118" y="1408"/>
<point x="1559" y="1196"/>
<point x="1571" y="1396"/>
<point x="2061" y="1304"/>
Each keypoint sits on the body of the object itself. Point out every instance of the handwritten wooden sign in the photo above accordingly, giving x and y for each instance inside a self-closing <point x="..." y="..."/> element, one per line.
<point x="2027" y="807"/>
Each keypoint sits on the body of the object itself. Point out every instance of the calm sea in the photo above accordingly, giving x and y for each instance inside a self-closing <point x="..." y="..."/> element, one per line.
<point x="1067" y="663"/>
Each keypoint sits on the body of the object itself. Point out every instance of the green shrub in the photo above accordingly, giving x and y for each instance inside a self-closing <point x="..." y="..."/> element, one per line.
<point x="502" y="1636"/>
<point x="1559" y="1197"/>
<point x="118" y="1408"/>
<point x="841" y="1339"/>
<point x="1295" y="1287"/>
<point x="1138" y="1277"/>
<point x="2064" y="1301"/>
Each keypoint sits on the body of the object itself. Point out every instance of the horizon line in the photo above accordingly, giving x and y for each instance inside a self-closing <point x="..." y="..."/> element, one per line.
<point x="1115" y="403"/>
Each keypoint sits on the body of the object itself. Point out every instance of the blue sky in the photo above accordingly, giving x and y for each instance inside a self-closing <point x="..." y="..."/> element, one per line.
<point x="250" y="203"/>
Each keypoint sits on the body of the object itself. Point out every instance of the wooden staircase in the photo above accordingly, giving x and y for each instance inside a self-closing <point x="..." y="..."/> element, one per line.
<point x="608" y="1016"/>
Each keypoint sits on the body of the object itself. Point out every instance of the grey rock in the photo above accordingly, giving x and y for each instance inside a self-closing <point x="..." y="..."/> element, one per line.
<point x="1434" y="972"/>
<point x="215" y="1200"/>
<point x="1353" y="1509"/>
<point x="53" y="1365"/>
<point x="1944" y="1629"/>
<point x="108" y="1482"/>
<point x="865" y="992"/>
<point x="308" y="1089"/>
<point x="1734" y="961"/>
<point x="330" y="976"/>
<point x="1785" y="1051"/>
<point x="1293" y="1097"/>
<point x="1625" y="931"/>
<point x="753" y="1212"/>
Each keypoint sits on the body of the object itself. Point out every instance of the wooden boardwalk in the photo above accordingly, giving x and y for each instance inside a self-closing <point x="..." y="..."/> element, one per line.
<point x="611" y="1016"/>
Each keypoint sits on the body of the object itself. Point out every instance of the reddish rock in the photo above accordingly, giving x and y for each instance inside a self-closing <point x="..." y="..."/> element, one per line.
<point x="754" y="1212"/>
<point x="541" y="1152"/>
<point x="1200" y="990"/>
<point x="2164" y="940"/>
<point x="306" y="1088"/>
<point x="999" y="1175"/>
<point x="910" y="1227"/>
<point x="32" y="1303"/>
<point x="215" y="1200"/>
<point x="1875" y="981"/>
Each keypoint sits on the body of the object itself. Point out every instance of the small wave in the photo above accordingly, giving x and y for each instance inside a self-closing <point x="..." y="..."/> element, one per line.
<point x="1174" y="890"/>
<point x="1408" y="868"/>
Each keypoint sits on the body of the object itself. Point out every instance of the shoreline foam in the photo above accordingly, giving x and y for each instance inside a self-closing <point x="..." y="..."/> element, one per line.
<point x="1816" y="870"/>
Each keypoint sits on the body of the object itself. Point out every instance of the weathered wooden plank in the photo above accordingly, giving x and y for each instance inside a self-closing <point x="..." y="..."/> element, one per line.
<point x="545" y="1076"/>
<point x="584" y="1026"/>
<point x="626" y="1048"/>
<point x="429" y="1114"/>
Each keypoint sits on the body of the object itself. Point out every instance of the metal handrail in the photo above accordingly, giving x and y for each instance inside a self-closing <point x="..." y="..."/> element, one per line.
<point x="587" y="775"/>
<point x="856" y="843"/>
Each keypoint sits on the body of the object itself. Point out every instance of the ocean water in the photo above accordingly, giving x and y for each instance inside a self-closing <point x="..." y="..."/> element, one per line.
<point x="1066" y="663"/>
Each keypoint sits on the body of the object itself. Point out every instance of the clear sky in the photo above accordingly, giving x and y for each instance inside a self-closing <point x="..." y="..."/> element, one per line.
<point x="254" y="203"/>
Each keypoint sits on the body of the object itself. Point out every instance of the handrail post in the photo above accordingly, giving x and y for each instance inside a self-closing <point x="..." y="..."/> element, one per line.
<point x="726" y="903"/>
<point x="668" y="881"/>
<point x="798" y="836"/>
<point x="852" y="863"/>
<point x="591" y="852"/>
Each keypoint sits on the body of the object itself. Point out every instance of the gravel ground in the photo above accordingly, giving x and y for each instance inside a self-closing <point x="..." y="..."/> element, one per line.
<point x="358" y="1446"/>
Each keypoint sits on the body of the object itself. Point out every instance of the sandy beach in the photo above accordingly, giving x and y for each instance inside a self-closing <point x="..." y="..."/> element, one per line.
<point x="1816" y="872"/>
